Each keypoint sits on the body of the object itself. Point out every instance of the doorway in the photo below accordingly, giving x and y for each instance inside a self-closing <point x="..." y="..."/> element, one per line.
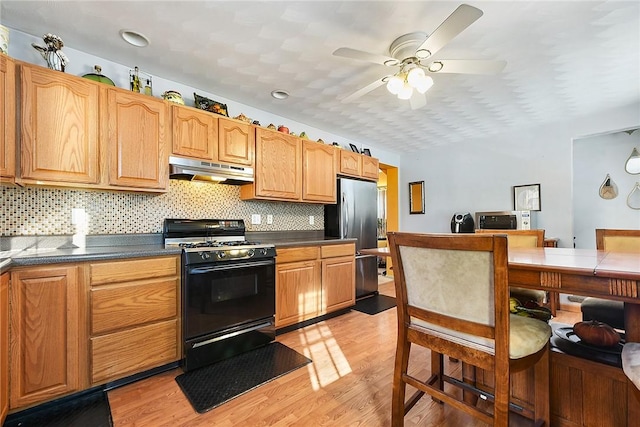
<point x="388" y="195"/>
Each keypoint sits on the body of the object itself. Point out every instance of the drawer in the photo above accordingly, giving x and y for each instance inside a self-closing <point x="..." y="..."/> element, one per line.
<point x="121" y="306"/>
<point x="135" y="350"/>
<point x="137" y="269"/>
<point x="304" y="253"/>
<point x="347" y="249"/>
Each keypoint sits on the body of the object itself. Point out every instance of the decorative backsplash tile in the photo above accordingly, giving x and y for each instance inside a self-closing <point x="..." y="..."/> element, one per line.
<point x="45" y="211"/>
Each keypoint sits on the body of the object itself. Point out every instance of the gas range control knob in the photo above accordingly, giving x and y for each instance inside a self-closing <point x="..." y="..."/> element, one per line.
<point x="264" y="251"/>
<point x="250" y="252"/>
<point x="221" y="254"/>
<point x="205" y="255"/>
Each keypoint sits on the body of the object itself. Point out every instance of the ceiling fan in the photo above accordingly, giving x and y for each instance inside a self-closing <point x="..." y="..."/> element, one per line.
<point x="412" y="52"/>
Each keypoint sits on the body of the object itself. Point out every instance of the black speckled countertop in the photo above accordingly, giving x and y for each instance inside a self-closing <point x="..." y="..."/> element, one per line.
<point x="39" y="250"/>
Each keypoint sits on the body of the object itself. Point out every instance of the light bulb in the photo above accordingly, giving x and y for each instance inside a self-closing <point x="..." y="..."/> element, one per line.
<point x="415" y="76"/>
<point x="424" y="84"/>
<point x="405" y="92"/>
<point x="394" y="84"/>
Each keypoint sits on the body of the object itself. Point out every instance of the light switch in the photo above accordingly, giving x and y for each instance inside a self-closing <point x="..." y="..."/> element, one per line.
<point x="255" y="219"/>
<point x="311" y="220"/>
<point x="269" y="219"/>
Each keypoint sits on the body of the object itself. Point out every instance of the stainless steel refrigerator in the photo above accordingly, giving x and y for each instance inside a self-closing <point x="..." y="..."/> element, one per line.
<point x="355" y="216"/>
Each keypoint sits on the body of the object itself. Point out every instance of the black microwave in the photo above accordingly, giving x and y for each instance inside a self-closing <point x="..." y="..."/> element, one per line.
<point x="505" y="220"/>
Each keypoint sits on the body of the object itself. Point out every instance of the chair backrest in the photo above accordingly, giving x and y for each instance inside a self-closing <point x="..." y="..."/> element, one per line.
<point x="451" y="284"/>
<point x="520" y="238"/>
<point x="608" y="239"/>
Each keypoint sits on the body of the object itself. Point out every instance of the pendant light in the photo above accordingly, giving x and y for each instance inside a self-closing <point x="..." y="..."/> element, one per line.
<point x="632" y="165"/>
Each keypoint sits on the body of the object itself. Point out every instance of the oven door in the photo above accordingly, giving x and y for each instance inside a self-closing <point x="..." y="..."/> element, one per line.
<point x="223" y="296"/>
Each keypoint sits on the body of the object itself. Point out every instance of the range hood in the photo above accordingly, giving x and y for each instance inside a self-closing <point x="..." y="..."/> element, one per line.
<point x="217" y="173"/>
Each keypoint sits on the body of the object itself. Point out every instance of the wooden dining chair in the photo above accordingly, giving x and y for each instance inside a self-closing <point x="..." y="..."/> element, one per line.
<point x="609" y="311"/>
<point x="452" y="297"/>
<point x="631" y="365"/>
<point x="527" y="239"/>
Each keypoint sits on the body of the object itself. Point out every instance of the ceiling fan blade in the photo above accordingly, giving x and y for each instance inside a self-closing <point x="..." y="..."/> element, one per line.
<point x="346" y="52"/>
<point x="417" y="100"/>
<point x="368" y="88"/>
<point x="466" y="66"/>
<point x="457" y="22"/>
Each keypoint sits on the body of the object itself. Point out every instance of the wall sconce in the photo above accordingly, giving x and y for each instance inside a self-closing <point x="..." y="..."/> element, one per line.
<point x="632" y="165"/>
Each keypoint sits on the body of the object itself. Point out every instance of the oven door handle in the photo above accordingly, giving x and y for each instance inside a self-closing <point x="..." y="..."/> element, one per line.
<point x="212" y="268"/>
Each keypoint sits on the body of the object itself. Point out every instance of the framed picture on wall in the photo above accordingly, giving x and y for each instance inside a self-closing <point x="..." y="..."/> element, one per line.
<point x="526" y="197"/>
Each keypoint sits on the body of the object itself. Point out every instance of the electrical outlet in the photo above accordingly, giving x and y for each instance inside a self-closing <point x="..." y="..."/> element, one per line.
<point x="311" y="220"/>
<point x="78" y="216"/>
<point x="255" y="219"/>
<point x="269" y="219"/>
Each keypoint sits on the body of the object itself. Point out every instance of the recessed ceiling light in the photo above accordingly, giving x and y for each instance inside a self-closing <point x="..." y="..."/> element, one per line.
<point x="134" y="38"/>
<point x="280" y="94"/>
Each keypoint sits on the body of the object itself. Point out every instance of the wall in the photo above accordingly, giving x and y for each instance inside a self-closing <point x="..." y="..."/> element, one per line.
<point x="40" y="211"/>
<point x="479" y="174"/>
<point x="593" y="159"/>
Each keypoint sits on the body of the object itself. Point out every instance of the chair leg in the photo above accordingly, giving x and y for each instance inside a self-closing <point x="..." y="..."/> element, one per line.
<point x="399" y="386"/>
<point x="437" y="368"/>
<point x="541" y="410"/>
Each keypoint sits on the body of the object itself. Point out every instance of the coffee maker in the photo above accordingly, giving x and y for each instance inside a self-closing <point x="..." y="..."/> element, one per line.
<point x="462" y="222"/>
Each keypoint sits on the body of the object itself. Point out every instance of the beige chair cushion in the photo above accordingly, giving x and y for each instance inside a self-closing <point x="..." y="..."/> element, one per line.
<point x="631" y="362"/>
<point x="622" y="244"/>
<point x="526" y="336"/>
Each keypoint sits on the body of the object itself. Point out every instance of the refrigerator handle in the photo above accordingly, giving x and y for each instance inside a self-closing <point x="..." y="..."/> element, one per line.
<point x="345" y="216"/>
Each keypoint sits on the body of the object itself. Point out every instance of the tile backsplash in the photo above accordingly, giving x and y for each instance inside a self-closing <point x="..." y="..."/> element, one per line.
<point x="40" y="211"/>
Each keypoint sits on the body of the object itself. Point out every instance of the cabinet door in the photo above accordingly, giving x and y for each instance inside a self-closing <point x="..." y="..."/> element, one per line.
<point x="137" y="140"/>
<point x="350" y="163"/>
<point x="237" y="142"/>
<point x="48" y="337"/>
<point x="338" y="283"/>
<point x="59" y="127"/>
<point x="4" y="346"/>
<point x="370" y="168"/>
<point x="297" y="292"/>
<point x="318" y="172"/>
<point x="195" y="133"/>
<point x="278" y="165"/>
<point x="7" y="119"/>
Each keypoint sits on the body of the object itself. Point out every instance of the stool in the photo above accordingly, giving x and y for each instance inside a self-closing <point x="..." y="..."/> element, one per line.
<point x="604" y="310"/>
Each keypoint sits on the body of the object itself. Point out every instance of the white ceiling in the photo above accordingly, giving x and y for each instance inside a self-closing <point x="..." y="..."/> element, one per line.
<point x="565" y="59"/>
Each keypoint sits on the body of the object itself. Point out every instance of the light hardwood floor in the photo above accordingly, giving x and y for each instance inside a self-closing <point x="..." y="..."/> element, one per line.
<point x="348" y="384"/>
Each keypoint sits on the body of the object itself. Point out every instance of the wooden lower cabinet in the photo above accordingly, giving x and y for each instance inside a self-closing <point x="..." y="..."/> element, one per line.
<point x="47" y="337"/>
<point x="4" y="346"/>
<point x="135" y="316"/>
<point x="312" y="281"/>
<point x="582" y="393"/>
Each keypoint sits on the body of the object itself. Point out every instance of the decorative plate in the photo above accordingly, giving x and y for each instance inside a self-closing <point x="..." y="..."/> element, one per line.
<point x="569" y="335"/>
<point x="210" y="105"/>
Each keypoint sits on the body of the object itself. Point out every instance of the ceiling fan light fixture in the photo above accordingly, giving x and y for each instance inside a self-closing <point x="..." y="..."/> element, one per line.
<point x="405" y="92"/>
<point x="415" y="76"/>
<point x="424" y="84"/>
<point x="391" y="62"/>
<point x="395" y="84"/>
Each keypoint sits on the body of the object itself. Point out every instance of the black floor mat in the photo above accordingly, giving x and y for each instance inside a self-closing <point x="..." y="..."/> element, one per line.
<point x="86" y="409"/>
<point x="375" y="304"/>
<point x="211" y="386"/>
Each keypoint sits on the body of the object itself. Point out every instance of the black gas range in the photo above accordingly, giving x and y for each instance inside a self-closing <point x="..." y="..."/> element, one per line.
<point x="228" y="289"/>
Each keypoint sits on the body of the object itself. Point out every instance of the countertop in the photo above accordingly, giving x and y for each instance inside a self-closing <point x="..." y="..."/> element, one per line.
<point x="119" y="247"/>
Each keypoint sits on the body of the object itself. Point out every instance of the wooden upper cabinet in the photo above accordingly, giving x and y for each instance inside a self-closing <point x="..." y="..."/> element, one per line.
<point x="350" y="163"/>
<point x="278" y="172"/>
<point x="59" y="127"/>
<point x="137" y="140"/>
<point x="358" y="165"/>
<point x="236" y="143"/>
<point x="195" y="133"/>
<point x="318" y="172"/>
<point x="7" y="119"/>
<point x="370" y="167"/>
